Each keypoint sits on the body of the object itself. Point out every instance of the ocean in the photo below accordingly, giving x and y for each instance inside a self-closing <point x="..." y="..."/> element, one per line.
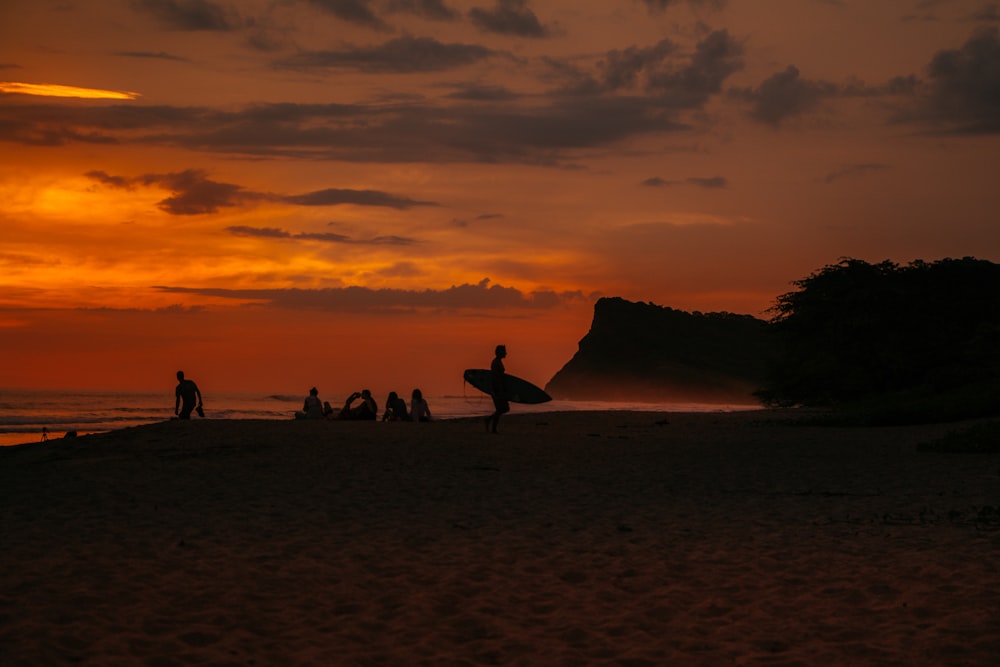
<point x="25" y="413"/>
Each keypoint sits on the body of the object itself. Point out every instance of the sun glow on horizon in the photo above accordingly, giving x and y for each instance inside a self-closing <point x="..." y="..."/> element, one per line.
<point x="57" y="90"/>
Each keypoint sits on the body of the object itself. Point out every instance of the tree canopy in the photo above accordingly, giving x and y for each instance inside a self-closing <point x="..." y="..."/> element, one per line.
<point x="855" y="329"/>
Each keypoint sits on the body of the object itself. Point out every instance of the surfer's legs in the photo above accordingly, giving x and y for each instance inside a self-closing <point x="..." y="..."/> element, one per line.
<point x="492" y="421"/>
<point x="502" y="407"/>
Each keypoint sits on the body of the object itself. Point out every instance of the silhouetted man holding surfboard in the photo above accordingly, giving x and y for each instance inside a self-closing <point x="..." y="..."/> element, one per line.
<point x="500" y="402"/>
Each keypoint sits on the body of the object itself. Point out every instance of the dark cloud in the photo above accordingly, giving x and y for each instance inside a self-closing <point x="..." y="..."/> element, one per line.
<point x="31" y="132"/>
<point x="509" y="17"/>
<point x="715" y="58"/>
<point x="483" y="93"/>
<point x="899" y="85"/>
<point x="188" y="14"/>
<point x="629" y="94"/>
<point x="481" y="297"/>
<point x="109" y="180"/>
<point x="657" y="182"/>
<point x="711" y="182"/>
<point x="784" y="95"/>
<point x="194" y="193"/>
<point x="620" y="69"/>
<point x="430" y="9"/>
<point x="259" y="232"/>
<point x="670" y="79"/>
<point x="988" y="13"/>
<point x="663" y="5"/>
<point x="854" y="170"/>
<point x="159" y="55"/>
<point x="964" y="85"/>
<point x="337" y="196"/>
<point x="522" y="133"/>
<point x="400" y="270"/>
<point x="329" y="237"/>
<point x="401" y="55"/>
<point x="353" y="11"/>
<point x="324" y="237"/>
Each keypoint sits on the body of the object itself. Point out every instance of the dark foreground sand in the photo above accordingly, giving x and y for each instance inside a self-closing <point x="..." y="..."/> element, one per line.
<point x="570" y="539"/>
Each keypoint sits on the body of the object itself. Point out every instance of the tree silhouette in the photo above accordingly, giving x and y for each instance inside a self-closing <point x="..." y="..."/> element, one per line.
<point x="853" y="330"/>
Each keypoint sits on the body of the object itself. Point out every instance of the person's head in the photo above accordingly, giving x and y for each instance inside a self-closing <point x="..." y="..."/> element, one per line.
<point x="417" y="394"/>
<point x="180" y="375"/>
<point x="366" y="393"/>
<point x="393" y="396"/>
<point x="314" y="391"/>
<point x="501" y="351"/>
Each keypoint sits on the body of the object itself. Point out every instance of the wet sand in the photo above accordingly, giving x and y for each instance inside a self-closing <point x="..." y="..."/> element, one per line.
<point x="604" y="538"/>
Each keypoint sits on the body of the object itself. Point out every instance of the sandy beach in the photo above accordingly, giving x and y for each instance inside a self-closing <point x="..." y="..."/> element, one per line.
<point x="605" y="538"/>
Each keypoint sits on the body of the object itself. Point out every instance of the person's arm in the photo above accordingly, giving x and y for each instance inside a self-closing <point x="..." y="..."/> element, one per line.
<point x="177" y="401"/>
<point x="197" y="392"/>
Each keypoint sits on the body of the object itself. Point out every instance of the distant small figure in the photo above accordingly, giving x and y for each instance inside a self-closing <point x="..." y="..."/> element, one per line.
<point x="367" y="409"/>
<point x="186" y="394"/>
<point x="500" y="402"/>
<point x="312" y="408"/>
<point x="45" y="433"/>
<point x="419" y="410"/>
<point x="395" y="409"/>
<point x="327" y="410"/>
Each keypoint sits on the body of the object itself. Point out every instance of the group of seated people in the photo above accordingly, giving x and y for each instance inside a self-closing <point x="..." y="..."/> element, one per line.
<point x="367" y="408"/>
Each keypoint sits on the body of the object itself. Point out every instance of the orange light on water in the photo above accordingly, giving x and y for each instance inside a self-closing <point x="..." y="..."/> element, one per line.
<point x="56" y="90"/>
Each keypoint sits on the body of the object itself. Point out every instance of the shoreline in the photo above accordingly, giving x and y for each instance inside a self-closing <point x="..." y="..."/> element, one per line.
<point x="569" y="538"/>
<point x="21" y="434"/>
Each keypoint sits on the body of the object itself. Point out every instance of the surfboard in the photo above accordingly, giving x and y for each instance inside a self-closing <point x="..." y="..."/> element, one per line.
<point x="518" y="390"/>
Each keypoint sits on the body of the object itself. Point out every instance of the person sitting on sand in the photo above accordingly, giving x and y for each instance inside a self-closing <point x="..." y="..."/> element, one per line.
<point x="419" y="410"/>
<point x="367" y="409"/>
<point x="395" y="409"/>
<point x="312" y="408"/>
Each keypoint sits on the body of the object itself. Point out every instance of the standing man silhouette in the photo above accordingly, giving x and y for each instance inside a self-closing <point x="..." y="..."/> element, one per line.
<point x="500" y="403"/>
<point x="187" y="391"/>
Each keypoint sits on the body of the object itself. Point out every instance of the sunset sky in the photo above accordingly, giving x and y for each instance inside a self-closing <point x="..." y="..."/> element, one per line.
<point x="343" y="193"/>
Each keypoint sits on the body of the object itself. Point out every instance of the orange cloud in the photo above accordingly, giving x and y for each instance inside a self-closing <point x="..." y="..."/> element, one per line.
<point x="56" y="90"/>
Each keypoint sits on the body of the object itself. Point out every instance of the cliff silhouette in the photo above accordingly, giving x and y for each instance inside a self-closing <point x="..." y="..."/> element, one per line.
<point x="641" y="351"/>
